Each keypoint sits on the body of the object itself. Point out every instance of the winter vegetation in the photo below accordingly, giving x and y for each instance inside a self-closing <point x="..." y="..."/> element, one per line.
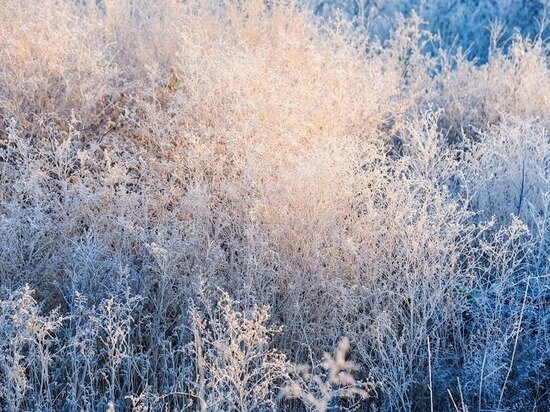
<point x="249" y="205"/>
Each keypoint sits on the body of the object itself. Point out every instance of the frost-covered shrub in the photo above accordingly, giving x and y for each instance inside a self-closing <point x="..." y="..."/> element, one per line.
<point x="27" y="350"/>
<point x="461" y="24"/>
<point x="510" y="173"/>
<point x="328" y="182"/>
<point x="328" y="383"/>
<point x="236" y="369"/>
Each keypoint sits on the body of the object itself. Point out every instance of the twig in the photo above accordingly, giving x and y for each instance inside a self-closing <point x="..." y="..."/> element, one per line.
<point x="515" y="343"/>
<point x="430" y="374"/>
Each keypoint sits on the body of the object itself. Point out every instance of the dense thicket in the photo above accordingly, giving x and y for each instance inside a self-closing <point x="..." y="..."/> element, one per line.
<point x="198" y="199"/>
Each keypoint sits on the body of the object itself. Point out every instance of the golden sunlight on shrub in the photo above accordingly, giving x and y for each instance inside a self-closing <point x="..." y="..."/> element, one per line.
<point x="201" y="199"/>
